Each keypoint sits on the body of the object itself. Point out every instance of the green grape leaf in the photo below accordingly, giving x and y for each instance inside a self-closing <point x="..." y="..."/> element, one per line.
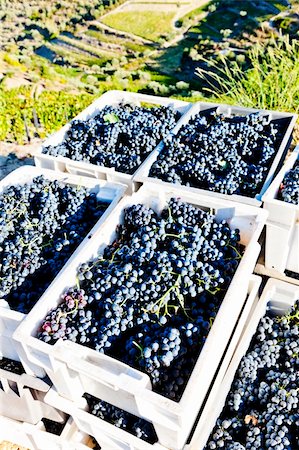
<point x="111" y="118"/>
<point x="222" y="163"/>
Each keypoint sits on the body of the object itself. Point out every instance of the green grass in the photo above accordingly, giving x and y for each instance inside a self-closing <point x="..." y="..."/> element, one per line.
<point x="135" y="47"/>
<point x="165" y="79"/>
<point x="68" y="72"/>
<point x="147" y="24"/>
<point x="272" y="82"/>
<point x="78" y="58"/>
<point x="170" y="59"/>
<point x="279" y="6"/>
<point x="103" y="37"/>
<point x="53" y="108"/>
<point x="110" y="39"/>
<point x="227" y="13"/>
<point x="83" y="47"/>
<point x="192" y="14"/>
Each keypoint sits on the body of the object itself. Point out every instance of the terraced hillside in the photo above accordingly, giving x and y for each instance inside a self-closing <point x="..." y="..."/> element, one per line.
<point x="56" y="56"/>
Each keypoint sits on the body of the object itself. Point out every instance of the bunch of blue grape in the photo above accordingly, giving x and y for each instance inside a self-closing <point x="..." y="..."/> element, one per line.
<point x="11" y="365"/>
<point x="41" y="224"/>
<point x="118" y="136"/>
<point x="140" y="428"/>
<point x="154" y="291"/>
<point x="289" y="189"/>
<point x="168" y="349"/>
<point x="54" y="427"/>
<point x="290" y="273"/>
<point x="262" y="407"/>
<point x="230" y="155"/>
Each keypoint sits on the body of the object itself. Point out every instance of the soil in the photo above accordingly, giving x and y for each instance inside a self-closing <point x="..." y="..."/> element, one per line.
<point x="13" y="156"/>
<point x="5" y="445"/>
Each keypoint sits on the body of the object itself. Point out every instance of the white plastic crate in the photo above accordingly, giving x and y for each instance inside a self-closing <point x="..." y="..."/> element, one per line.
<point x="22" y="398"/>
<point x="110" y="192"/>
<point x="35" y="437"/>
<point x="277" y="297"/>
<point x="142" y="174"/>
<point x="75" y="369"/>
<point x="112" y="98"/>
<point x="112" y="438"/>
<point x="108" y="436"/>
<point x="282" y="228"/>
<point x="260" y="269"/>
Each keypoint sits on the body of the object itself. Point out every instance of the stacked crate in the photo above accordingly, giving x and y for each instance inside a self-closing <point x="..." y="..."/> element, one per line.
<point x="65" y="371"/>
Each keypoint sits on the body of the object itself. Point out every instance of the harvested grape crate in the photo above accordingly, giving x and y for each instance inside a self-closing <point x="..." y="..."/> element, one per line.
<point x="115" y="429"/>
<point x="222" y="150"/>
<point x="22" y="395"/>
<point x="112" y="137"/>
<point x="24" y="270"/>
<point x="45" y="435"/>
<point x="257" y="399"/>
<point x="135" y="272"/>
<point x="281" y="200"/>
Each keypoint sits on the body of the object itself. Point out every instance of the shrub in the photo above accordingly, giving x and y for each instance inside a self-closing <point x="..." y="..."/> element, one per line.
<point x="158" y="88"/>
<point x="91" y="79"/>
<point x="182" y="85"/>
<point x="144" y="76"/>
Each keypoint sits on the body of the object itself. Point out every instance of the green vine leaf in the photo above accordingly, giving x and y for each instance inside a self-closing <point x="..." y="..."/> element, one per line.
<point x="111" y="118"/>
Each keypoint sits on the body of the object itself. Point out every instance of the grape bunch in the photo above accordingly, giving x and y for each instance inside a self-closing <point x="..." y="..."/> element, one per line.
<point x="167" y="353"/>
<point x="140" y="428"/>
<point x="11" y="365"/>
<point x="289" y="189"/>
<point x="154" y="291"/>
<point x="41" y="224"/>
<point x="290" y="273"/>
<point x="54" y="427"/>
<point x="230" y="155"/>
<point x="118" y="136"/>
<point x="262" y="407"/>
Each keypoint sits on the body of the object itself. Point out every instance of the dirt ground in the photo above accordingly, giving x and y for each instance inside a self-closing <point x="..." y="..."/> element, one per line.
<point x="5" y="445"/>
<point x="13" y="156"/>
